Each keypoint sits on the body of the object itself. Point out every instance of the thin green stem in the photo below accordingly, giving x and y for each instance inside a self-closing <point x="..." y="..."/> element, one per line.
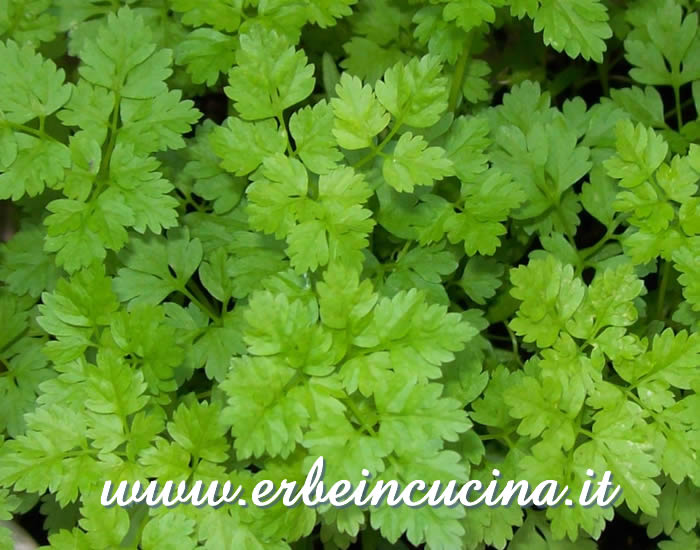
<point x="679" y="109"/>
<point x="283" y="125"/>
<point x="103" y="173"/>
<point x="661" y="296"/>
<point x="514" y="343"/>
<point x="138" y="521"/>
<point x="403" y="251"/>
<point x="586" y="253"/>
<point x="40" y="133"/>
<point x="369" y="429"/>
<point x="460" y="68"/>
<point x="661" y="424"/>
<point x="603" y="75"/>
<point x="496" y="337"/>
<point x="113" y="129"/>
<point x="378" y="149"/>
<point x="292" y="381"/>
<point x="354" y="410"/>
<point x="685" y="104"/>
<point x="203" y="305"/>
<point x="491" y="437"/>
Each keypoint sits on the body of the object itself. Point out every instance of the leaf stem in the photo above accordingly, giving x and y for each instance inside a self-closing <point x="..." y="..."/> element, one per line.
<point x="586" y="253"/>
<point x="354" y="410"/>
<point x="204" y="394"/>
<point x="283" y="125"/>
<point x="201" y="302"/>
<point x="369" y="429"/>
<point x="679" y="109"/>
<point x="460" y="68"/>
<point x="491" y="437"/>
<point x="378" y="149"/>
<point x="603" y="75"/>
<point x="103" y="173"/>
<point x="40" y="133"/>
<point x="112" y="133"/>
<point x="292" y="381"/>
<point x="685" y="104"/>
<point x="136" y="526"/>
<point x="587" y="433"/>
<point x="665" y="276"/>
<point x="514" y="343"/>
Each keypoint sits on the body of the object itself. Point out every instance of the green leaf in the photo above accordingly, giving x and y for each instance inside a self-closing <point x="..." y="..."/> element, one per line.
<point x="344" y="300"/>
<point x="207" y="54"/>
<point x="443" y="39"/>
<point x="114" y="387"/>
<point x="470" y="14"/>
<point x="223" y="15"/>
<point x="199" y="430"/>
<point x="145" y="192"/>
<point x="89" y="108"/>
<point x="7" y="505"/>
<point x="685" y="260"/>
<point x="487" y="202"/>
<point x="269" y="76"/>
<point x="203" y="168"/>
<point x="122" y="58"/>
<point x="550" y="296"/>
<point x="578" y="27"/>
<point x="408" y="335"/>
<point x="409" y="413"/>
<point x="312" y="129"/>
<point x="681" y="539"/>
<point x="242" y="146"/>
<point x="157" y="123"/>
<point x="106" y="527"/>
<point x="414" y="93"/>
<point x="172" y="530"/>
<point x="646" y="106"/>
<point x="147" y="277"/>
<point x="481" y="278"/>
<point x="142" y="335"/>
<point x="413" y="163"/>
<point x="358" y="114"/>
<point x="669" y="38"/>
<point x="24" y="366"/>
<point x="35" y="462"/>
<point x="627" y="456"/>
<point x="39" y="163"/>
<point x="28" y="21"/>
<point x="424" y="269"/>
<point x="81" y="232"/>
<point x="75" y="310"/>
<point x="640" y="152"/>
<point x="30" y="86"/>
<point x="24" y="268"/>
<point x="264" y="416"/>
<point x="277" y="195"/>
<point x="609" y="302"/>
<point x="466" y="145"/>
<point x="537" y="404"/>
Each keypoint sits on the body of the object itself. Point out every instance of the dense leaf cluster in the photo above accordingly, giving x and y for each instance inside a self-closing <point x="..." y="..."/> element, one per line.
<point x="412" y="246"/>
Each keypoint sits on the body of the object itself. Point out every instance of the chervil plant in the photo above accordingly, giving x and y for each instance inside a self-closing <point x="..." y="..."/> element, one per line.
<point x="425" y="238"/>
